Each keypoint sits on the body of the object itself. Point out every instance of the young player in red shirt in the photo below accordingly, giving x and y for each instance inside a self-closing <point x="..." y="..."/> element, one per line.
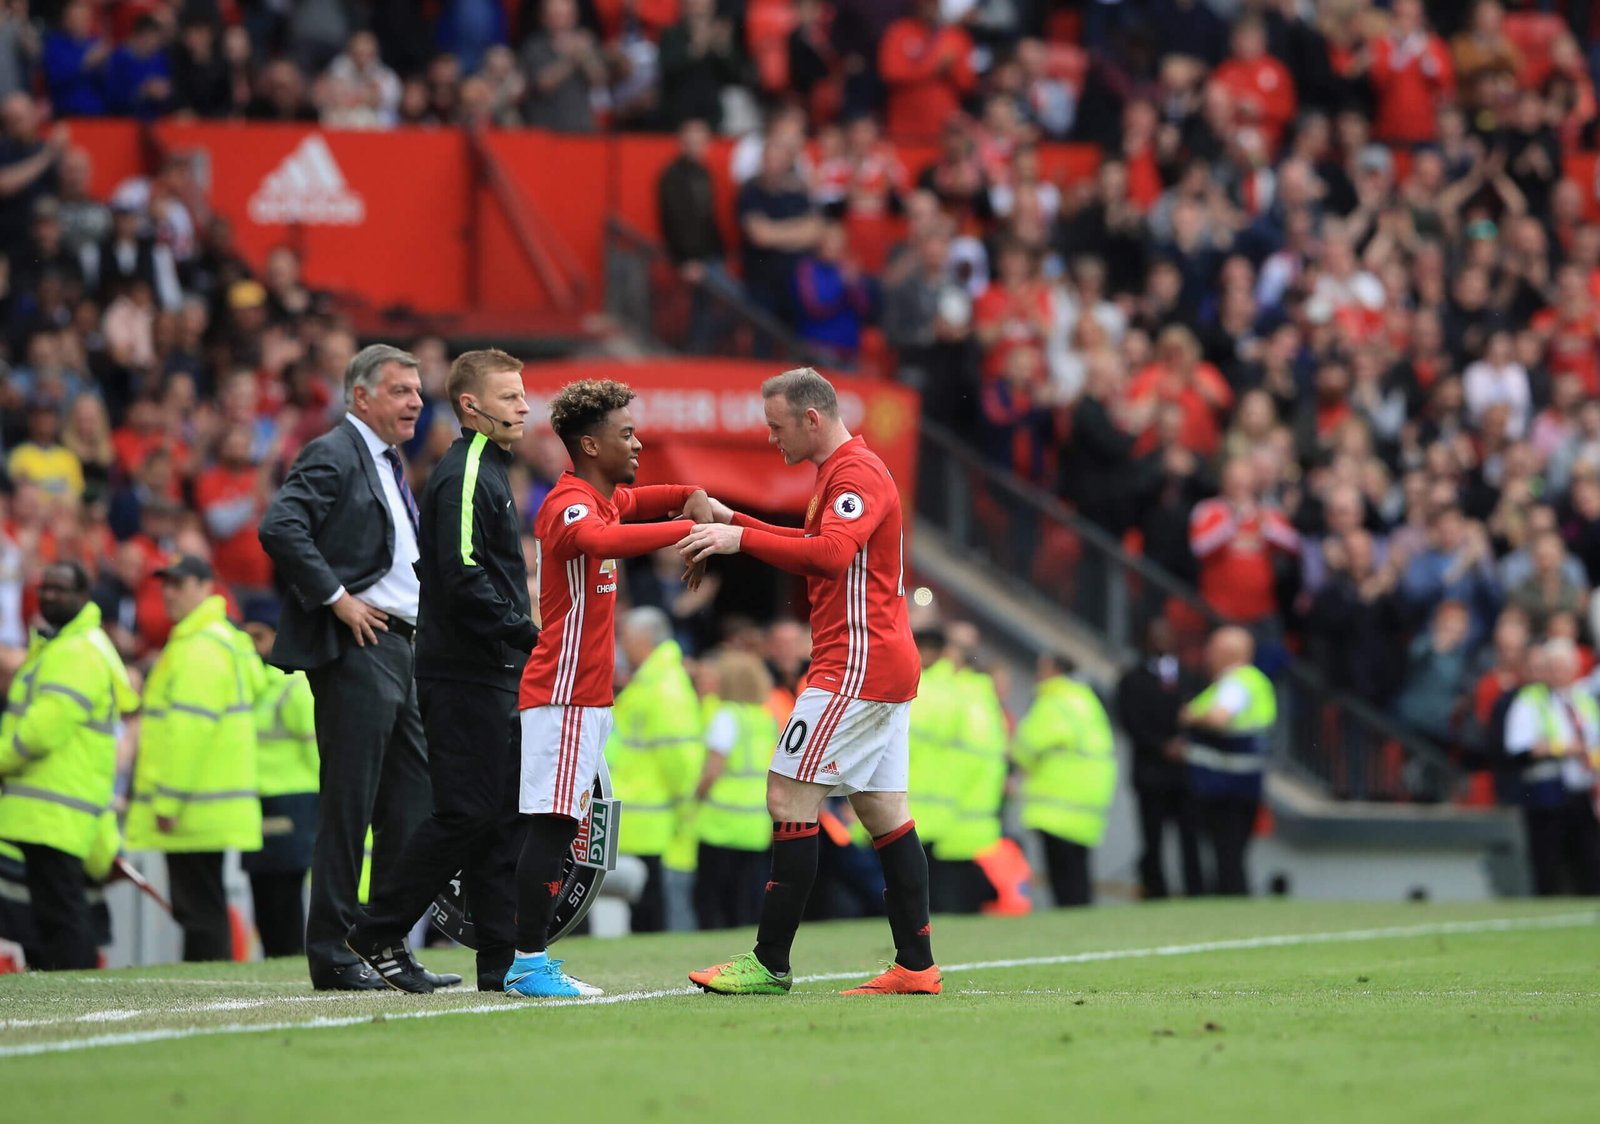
<point x="565" y="697"/>
<point x="848" y="733"/>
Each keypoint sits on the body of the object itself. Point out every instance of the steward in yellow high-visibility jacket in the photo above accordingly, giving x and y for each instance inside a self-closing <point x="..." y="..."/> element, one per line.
<point x="1066" y="753"/>
<point x="654" y="753"/>
<point x="287" y="776"/>
<point x="733" y="825"/>
<point x="974" y="779"/>
<point x="194" y="785"/>
<point x="935" y="724"/>
<point x="58" y="765"/>
<point x="1229" y="730"/>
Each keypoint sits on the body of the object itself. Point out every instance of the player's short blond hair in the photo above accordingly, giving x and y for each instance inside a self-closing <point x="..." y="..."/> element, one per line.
<point x="804" y="390"/>
<point x="581" y="406"/>
<point x="471" y="368"/>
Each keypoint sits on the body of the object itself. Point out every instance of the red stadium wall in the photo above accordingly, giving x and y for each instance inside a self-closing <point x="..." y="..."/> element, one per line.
<point x="403" y="217"/>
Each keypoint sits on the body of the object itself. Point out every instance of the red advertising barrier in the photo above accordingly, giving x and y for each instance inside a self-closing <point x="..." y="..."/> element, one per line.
<point x="404" y="217"/>
<point x="701" y="422"/>
<point x="380" y="214"/>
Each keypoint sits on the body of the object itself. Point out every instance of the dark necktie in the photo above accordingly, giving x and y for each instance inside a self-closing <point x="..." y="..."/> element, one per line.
<point x="405" y="489"/>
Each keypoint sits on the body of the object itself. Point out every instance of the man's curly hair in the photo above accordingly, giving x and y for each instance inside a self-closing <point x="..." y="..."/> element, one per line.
<point x="581" y="407"/>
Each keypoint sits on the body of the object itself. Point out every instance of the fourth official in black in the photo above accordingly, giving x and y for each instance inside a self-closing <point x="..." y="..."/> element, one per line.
<point x="474" y="633"/>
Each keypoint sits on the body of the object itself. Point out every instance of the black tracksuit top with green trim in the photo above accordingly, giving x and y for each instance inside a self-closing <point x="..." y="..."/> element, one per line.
<point x="473" y="622"/>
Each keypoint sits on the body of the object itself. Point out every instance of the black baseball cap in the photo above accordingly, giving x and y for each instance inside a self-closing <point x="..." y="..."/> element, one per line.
<point x="185" y="566"/>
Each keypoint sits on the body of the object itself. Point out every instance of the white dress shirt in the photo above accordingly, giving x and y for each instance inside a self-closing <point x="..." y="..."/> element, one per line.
<point x="397" y="591"/>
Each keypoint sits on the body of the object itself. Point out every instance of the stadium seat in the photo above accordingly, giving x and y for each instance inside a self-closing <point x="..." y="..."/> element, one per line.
<point x="767" y="27"/>
<point x="877" y="358"/>
<point x="1064" y="26"/>
<point x="1533" y="34"/>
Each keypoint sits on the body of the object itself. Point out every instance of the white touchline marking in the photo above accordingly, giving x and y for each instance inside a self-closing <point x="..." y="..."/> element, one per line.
<point x="105" y="978"/>
<point x="1442" y="928"/>
<point x="1285" y="940"/>
<point x="124" y="1014"/>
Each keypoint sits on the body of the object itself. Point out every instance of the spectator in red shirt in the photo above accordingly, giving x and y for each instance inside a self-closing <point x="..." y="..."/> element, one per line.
<point x="1261" y="88"/>
<point x="1510" y="653"/>
<point x="231" y="495"/>
<point x="1018" y="416"/>
<point x="1014" y="311"/>
<point x="927" y="67"/>
<point x="1411" y="73"/>
<point x="1571" y="329"/>
<point x="1181" y="378"/>
<point x="1235" y="538"/>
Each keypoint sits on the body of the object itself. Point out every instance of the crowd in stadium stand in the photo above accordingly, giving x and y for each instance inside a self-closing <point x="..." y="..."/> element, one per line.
<point x="1319" y="333"/>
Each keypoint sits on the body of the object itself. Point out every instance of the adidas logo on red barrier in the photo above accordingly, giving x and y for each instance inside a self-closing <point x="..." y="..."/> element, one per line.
<point x="307" y="187"/>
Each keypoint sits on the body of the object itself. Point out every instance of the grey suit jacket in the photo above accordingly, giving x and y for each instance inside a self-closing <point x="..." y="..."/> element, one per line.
<point x="328" y="526"/>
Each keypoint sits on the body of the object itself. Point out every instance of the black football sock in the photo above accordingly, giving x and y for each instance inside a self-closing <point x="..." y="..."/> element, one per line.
<point x="905" y="895"/>
<point x="795" y="847"/>
<point x="544" y="851"/>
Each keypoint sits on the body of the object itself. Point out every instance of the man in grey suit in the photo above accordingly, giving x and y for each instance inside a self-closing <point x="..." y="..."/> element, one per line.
<point x="342" y="532"/>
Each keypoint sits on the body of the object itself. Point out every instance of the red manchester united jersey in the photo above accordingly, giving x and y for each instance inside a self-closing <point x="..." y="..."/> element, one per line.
<point x="580" y="537"/>
<point x="852" y="555"/>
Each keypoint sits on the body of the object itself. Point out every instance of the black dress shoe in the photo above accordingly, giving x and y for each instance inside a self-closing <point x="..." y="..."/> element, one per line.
<point x="392" y="961"/>
<point x="348" y="977"/>
<point x="437" y="979"/>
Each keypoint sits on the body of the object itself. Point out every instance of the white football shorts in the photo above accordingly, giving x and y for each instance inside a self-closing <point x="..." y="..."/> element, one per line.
<point x="853" y="745"/>
<point x="562" y="747"/>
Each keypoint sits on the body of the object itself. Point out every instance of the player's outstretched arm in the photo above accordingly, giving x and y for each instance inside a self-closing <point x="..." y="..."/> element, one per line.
<point x="740" y="519"/>
<point x="652" y="501"/>
<point x="826" y="555"/>
<point x="627" y="540"/>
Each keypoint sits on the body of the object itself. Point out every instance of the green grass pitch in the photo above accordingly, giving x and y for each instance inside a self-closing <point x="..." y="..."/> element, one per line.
<point x="1187" y="1011"/>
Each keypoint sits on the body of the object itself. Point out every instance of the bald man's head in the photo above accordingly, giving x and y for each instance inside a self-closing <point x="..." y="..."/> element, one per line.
<point x="1229" y="648"/>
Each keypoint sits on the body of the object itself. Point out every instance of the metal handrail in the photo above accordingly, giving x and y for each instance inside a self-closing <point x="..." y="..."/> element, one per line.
<point x="623" y="237"/>
<point x="949" y="445"/>
<point x="1328" y="735"/>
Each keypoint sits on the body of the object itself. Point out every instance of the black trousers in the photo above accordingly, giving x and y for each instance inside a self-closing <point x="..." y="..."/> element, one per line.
<point x="474" y="757"/>
<point x="1159" y="807"/>
<point x="1564" y="848"/>
<point x="374" y="772"/>
<point x="728" y="886"/>
<point x="1226" y="825"/>
<point x="279" y="900"/>
<point x="61" y="918"/>
<point x="200" y="904"/>
<point x="956" y="885"/>
<point x="649" y="913"/>
<point x="1068" y="864"/>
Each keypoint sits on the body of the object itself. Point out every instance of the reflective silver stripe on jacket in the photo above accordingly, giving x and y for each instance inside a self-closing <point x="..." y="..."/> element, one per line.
<point x="1208" y="758"/>
<point x="76" y="696"/>
<point x="1547" y="770"/>
<point x="722" y="806"/>
<point x="30" y="792"/>
<point x="655" y="743"/>
<point x="1062" y="805"/>
<point x="201" y="711"/>
<point x="197" y="797"/>
<point x="958" y="746"/>
<point x="23" y="751"/>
